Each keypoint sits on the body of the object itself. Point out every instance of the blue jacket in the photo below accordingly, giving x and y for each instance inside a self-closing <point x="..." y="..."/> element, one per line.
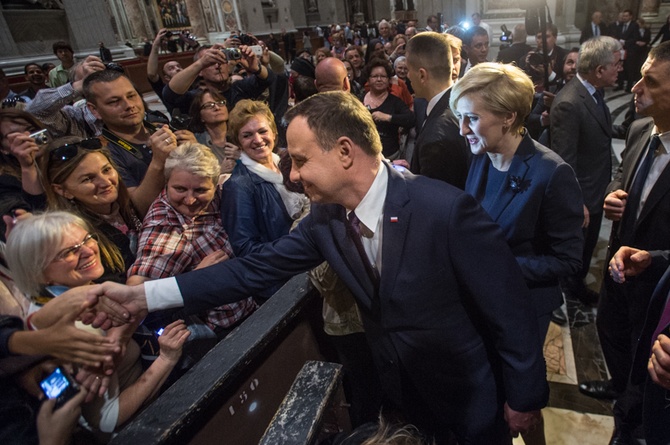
<point x="252" y="211"/>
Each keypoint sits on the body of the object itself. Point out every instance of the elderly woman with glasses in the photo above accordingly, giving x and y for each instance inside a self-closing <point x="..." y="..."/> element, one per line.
<point x="20" y="186"/>
<point x="83" y="179"/>
<point x="210" y="124"/>
<point x="389" y="112"/>
<point x="52" y="252"/>
<point x="183" y="229"/>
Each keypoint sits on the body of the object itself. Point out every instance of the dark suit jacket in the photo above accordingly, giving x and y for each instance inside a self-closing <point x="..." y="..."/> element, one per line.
<point x="440" y="152"/>
<point x="631" y="35"/>
<point x="651" y="227"/>
<point x="656" y="415"/>
<point x="464" y="342"/>
<point x="582" y="136"/>
<point x="515" y="53"/>
<point x="587" y="32"/>
<point x="542" y="223"/>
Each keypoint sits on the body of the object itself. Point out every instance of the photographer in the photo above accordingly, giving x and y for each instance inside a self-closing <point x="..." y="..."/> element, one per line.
<point x="52" y="106"/>
<point x="519" y="48"/>
<point x="211" y="63"/>
<point x="157" y="79"/>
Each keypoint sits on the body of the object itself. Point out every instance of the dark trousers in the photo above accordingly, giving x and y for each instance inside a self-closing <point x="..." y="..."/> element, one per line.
<point x="591" y="234"/>
<point x="656" y="414"/>
<point x="361" y="382"/>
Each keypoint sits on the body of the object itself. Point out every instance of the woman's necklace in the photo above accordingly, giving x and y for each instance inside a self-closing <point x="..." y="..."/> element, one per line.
<point x="373" y="101"/>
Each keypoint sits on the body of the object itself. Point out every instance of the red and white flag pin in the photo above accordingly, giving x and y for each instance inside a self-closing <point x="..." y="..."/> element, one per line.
<point x="394" y="219"/>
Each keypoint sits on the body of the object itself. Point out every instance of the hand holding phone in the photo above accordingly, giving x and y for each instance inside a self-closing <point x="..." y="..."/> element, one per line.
<point x="60" y="386"/>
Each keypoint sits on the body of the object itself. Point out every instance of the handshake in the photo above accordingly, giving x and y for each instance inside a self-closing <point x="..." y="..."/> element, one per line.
<point x="113" y="304"/>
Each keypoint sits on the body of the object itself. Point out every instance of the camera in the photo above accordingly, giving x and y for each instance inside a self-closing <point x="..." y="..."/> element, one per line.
<point x="180" y="122"/>
<point x="58" y="385"/>
<point x="41" y="137"/>
<point x="506" y="35"/>
<point x="168" y="34"/>
<point x="115" y="67"/>
<point x="232" y="53"/>
<point x="535" y="59"/>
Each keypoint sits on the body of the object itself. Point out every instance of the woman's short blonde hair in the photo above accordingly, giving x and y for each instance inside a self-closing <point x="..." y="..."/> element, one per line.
<point x="243" y="112"/>
<point x="34" y="243"/>
<point x="503" y="88"/>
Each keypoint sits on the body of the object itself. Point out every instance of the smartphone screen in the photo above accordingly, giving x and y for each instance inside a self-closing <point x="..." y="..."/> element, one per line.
<point x="59" y="386"/>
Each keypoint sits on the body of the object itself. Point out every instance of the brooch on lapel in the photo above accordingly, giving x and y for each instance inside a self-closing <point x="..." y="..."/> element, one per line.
<point x="518" y="184"/>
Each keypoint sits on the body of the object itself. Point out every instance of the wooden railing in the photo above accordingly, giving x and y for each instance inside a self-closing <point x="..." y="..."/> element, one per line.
<point x="234" y="392"/>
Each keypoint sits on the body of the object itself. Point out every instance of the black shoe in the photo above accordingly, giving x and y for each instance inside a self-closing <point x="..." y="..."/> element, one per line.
<point x="588" y="297"/>
<point x="599" y="389"/>
<point x="622" y="438"/>
<point x="558" y="317"/>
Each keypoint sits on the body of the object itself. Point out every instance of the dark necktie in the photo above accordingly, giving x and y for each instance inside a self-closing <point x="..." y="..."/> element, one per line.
<point x="635" y="191"/>
<point x="664" y="321"/>
<point x="600" y="100"/>
<point x="354" y="228"/>
<point x="596" y="30"/>
<point x="625" y="28"/>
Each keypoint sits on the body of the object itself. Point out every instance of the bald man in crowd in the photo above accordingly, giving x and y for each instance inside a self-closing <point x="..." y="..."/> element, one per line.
<point x="331" y="75"/>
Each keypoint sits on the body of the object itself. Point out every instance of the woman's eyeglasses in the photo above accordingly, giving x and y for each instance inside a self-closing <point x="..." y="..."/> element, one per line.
<point x="73" y="252"/>
<point x="69" y="151"/>
<point x="211" y="105"/>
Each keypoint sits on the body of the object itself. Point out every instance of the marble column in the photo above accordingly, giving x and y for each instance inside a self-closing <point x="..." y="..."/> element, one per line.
<point x="198" y="25"/>
<point x="90" y="23"/>
<point x="8" y="47"/>
<point x="134" y="14"/>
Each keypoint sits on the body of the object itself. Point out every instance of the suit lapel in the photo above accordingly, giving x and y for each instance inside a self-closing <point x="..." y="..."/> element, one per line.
<point x="349" y="253"/>
<point x="395" y="225"/>
<point x="637" y="149"/>
<point x="592" y="107"/>
<point x="517" y="172"/>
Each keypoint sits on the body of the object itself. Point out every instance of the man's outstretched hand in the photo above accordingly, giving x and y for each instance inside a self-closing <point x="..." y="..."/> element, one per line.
<point x="117" y="304"/>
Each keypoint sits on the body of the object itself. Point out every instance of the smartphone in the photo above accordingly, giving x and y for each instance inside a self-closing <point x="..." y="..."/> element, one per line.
<point x="60" y="386"/>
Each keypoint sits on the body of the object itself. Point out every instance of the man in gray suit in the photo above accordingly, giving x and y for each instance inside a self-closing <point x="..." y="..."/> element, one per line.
<point x="581" y="133"/>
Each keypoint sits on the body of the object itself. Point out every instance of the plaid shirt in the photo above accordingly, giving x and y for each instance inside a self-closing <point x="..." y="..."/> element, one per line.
<point x="171" y="244"/>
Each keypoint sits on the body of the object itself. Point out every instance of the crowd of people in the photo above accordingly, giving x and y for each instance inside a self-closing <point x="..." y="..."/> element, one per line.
<point x="444" y="204"/>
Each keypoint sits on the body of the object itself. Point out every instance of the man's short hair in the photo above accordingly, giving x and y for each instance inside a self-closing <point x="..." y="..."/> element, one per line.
<point x="595" y="52"/>
<point x="334" y="114"/>
<point x="29" y="64"/>
<point x="628" y="11"/>
<point x="472" y="32"/>
<point x="61" y="45"/>
<point x="104" y="76"/>
<point x="661" y="52"/>
<point x="432" y="52"/>
<point x="551" y="28"/>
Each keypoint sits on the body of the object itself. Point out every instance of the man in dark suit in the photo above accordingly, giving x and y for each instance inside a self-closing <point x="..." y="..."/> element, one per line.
<point x="455" y="352"/>
<point x="581" y="133"/>
<point x="638" y="201"/>
<point x="519" y="48"/>
<point x="653" y="346"/>
<point x="628" y="34"/>
<point x="440" y="152"/>
<point x="593" y="28"/>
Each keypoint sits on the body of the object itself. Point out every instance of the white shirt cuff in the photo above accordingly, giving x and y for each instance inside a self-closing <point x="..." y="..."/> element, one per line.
<point x="163" y="294"/>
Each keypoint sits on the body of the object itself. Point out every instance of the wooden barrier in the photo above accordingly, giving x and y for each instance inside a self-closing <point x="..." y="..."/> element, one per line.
<point x="315" y="395"/>
<point x="232" y="394"/>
